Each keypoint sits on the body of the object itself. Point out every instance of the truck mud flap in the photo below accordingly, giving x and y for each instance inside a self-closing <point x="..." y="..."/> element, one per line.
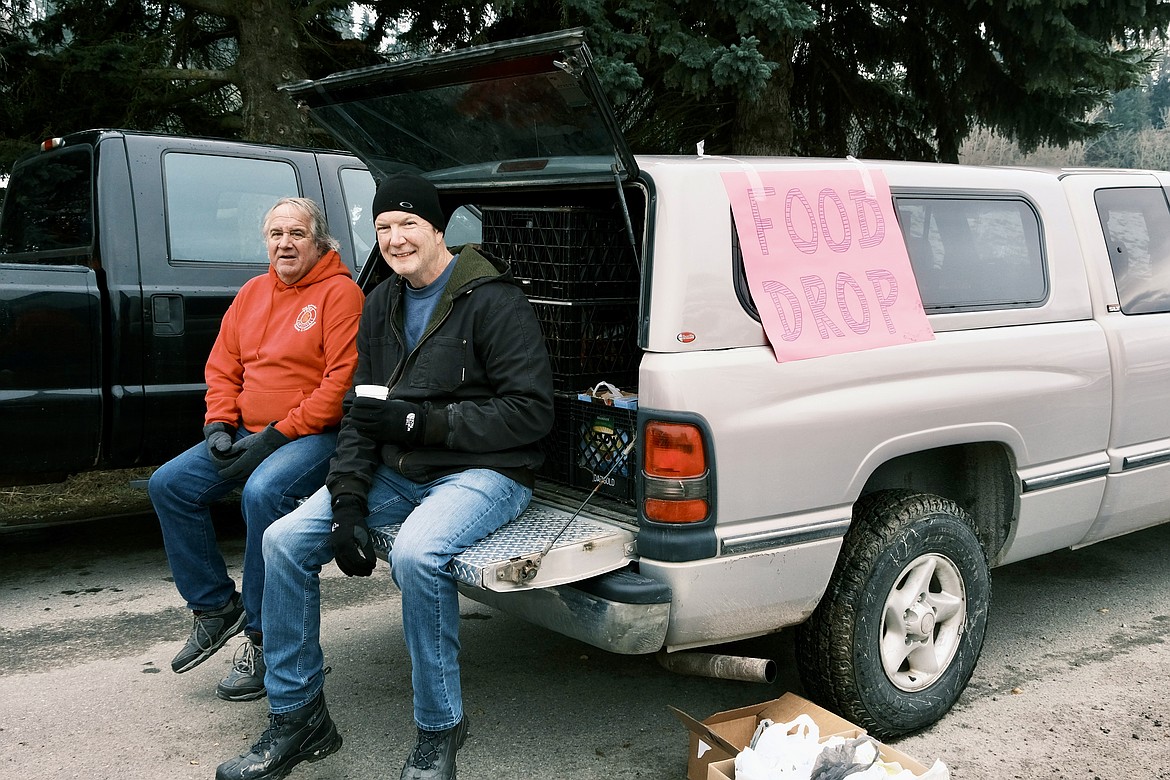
<point x="504" y="560"/>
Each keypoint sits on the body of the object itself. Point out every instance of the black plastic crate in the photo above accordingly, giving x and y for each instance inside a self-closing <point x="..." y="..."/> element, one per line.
<point x="586" y="448"/>
<point x="586" y="441"/>
<point x="600" y="435"/>
<point x="589" y="341"/>
<point x="557" y="446"/>
<point x="565" y="253"/>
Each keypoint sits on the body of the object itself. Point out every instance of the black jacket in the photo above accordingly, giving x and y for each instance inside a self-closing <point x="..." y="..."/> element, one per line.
<point x="481" y="370"/>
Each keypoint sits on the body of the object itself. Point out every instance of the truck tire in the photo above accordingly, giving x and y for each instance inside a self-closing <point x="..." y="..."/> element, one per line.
<point x="896" y="637"/>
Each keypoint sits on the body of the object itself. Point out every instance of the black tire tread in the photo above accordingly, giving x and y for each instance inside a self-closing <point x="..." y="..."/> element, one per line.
<point x="826" y="643"/>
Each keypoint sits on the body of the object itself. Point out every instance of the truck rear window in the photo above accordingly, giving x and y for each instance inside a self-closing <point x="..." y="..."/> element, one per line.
<point x="216" y="204"/>
<point x="48" y="209"/>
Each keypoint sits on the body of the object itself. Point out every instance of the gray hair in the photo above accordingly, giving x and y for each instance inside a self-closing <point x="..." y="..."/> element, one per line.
<point x="321" y="235"/>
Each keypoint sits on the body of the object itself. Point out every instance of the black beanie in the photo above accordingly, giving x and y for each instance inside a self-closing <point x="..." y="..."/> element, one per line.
<point x="410" y="192"/>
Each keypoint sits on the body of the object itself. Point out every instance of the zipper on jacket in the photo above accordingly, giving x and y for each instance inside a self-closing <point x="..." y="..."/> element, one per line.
<point x="401" y="368"/>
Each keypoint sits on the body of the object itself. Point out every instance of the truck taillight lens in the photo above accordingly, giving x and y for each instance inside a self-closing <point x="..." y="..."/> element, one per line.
<point x="676" y="478"/>
<point x="674" y="450"/>
<point x="663" y="511"/>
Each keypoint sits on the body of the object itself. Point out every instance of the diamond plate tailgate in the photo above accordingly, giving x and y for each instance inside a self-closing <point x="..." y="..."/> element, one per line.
<point x="586" y="548"/>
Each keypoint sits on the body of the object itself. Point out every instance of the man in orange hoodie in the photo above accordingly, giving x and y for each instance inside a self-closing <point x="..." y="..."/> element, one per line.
<point x="276" y="376"/>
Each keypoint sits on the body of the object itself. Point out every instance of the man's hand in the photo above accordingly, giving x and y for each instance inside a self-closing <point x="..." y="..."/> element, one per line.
<point x="250" y="451"/>
<point x="350" y="538"/>
<point x="219" y="437"/>
<point x="391" y="420"/>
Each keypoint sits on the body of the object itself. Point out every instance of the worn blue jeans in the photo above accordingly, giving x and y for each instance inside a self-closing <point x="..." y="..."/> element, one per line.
<point x="439" y="520"/>
<point x="183" y="488"/>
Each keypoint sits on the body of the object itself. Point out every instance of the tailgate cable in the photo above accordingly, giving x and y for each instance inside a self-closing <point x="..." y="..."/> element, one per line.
<point x="523" y="569"/>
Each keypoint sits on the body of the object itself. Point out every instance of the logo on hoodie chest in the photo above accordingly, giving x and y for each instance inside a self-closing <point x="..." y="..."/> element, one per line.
<point x="307" y="318"/>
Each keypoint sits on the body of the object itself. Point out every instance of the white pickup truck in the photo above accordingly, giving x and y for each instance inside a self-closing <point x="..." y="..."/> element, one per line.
<point x="861" y="495"/>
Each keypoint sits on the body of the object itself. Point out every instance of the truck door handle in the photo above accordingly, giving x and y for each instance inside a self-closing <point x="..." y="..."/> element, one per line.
<point x="166" y="313"/>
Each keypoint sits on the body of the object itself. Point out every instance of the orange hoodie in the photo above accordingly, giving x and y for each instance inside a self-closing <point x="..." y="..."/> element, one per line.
<point x="286" y="353"/>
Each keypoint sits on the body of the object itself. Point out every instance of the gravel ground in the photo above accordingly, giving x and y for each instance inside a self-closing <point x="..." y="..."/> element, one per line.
<point x="1072" y="682"/>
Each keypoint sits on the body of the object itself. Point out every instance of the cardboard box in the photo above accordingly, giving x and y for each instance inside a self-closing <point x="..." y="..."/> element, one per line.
<point x="716" y="741"/>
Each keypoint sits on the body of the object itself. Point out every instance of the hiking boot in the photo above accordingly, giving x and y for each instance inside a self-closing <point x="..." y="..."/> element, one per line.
<point x="212" y="629"/>
<point x="433" y="757"/>
<point x="305" y="734"/>
<point x="245" y="681"/>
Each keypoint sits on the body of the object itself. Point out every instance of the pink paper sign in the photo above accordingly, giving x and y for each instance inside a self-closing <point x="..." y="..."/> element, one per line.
<point x="825" y="261"/>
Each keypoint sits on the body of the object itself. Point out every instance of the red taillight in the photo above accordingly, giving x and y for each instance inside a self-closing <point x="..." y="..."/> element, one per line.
<point x="674" y="450"/>
<point x="50" y="144"/>
<point x="676" y="474"/>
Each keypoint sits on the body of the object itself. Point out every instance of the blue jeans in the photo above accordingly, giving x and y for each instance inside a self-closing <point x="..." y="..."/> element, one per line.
<point x="183" y="488"/>
<point x="439" y="520"/>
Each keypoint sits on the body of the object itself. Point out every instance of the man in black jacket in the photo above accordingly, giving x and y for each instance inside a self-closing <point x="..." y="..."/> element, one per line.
<point x="453" y="392"/>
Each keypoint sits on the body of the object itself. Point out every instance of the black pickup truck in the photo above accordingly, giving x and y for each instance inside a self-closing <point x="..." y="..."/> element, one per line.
<point x="119" y="253"/>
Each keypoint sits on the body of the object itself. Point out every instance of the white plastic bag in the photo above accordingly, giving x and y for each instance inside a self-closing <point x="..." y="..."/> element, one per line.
<point x="789" y="751"/>
<point x="784" y="751"/>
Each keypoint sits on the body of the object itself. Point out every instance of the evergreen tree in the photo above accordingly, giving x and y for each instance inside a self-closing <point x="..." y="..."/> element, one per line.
<point x="889" y="78"/>
<point x="1158" y="98"/>
<point x="193" y="66"/>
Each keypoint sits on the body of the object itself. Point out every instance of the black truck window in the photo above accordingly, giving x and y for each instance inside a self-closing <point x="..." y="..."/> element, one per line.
<point x="215" y="205"/>
<point x="48" y="210"/>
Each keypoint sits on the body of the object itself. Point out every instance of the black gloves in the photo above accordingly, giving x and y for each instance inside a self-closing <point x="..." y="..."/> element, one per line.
<point x="352" y="546"/>
<point x="391" y="420"/>
<point x="219" y="437"/>
<point x="250" y="451"/>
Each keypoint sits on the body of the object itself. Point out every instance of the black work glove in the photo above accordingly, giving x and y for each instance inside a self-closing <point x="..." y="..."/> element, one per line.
<point x="250" y="451"/>
<point x="350" y="538"/>
<point x="219" y="437"/>
<point x="391" y="420"/>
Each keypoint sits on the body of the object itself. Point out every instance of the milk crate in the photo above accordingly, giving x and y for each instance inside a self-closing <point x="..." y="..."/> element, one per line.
<point x="557" y="446"/>
<point x="590" y="340"/>
<point x="587" y="441"/>
<point x="599" y="436"/>
<point x="564" y="253"/>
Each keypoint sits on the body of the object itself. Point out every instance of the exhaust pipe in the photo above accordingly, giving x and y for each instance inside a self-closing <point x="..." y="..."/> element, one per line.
<point x="723" y="667"/>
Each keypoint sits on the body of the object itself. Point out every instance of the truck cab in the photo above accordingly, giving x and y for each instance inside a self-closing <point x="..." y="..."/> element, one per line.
<point x="119" y="253"/>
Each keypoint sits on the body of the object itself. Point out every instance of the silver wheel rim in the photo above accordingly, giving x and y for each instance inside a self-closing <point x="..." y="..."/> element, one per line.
<point x="922" y="622"/>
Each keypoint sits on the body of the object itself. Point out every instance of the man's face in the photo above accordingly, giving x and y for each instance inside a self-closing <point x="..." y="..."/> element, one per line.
<point x="292" y="247"/>
<point x="411" y="246"/>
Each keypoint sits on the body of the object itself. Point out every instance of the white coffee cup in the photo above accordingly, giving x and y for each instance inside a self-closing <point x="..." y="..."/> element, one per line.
<point x="372" y="391"/>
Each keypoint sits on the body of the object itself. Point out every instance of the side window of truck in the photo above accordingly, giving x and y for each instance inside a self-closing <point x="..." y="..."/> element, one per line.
<point x="215" y="205"/>
<point x="973" y="253"/>
<point x="968" y="253"/>
<point x="357" y="187"/>
<point x="1136" y="225"/>
<point x="48" y="216"/>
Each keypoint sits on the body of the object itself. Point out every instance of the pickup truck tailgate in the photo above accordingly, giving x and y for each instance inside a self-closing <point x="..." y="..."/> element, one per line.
<point x="585" y="548"/>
